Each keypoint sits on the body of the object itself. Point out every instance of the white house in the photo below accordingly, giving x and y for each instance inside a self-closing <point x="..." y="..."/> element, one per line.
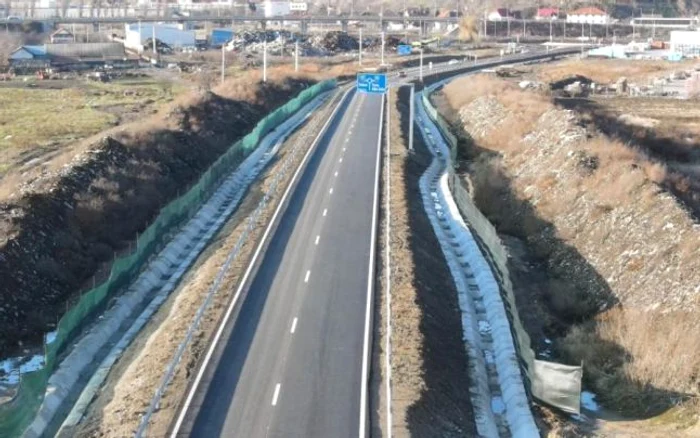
<point x="685" y="42"/>
<point x="297" y="6"/>
<point x="276" y="8"/>
<point x="588" y="16"/>
<point x="498" y="15"/>
<point x="137" y="34"/>
<point x="62" y="36"/>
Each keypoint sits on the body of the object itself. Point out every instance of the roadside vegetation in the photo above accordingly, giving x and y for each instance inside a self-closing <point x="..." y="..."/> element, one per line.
<point x="614" y="246"/>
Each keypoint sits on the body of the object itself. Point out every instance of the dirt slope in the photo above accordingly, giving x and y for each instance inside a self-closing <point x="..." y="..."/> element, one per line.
<point x="65" y="227"/>
<point x="611" y="251"/>
<point x="430" y="380"/>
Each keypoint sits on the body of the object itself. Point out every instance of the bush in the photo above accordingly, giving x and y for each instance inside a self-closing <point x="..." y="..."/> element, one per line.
<point x="639" y="361"/>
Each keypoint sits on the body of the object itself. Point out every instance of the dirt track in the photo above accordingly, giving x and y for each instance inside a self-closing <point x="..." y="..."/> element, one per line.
<point x="430" y="383"/>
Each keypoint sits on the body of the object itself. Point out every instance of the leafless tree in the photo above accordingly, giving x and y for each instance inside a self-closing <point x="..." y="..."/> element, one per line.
<point x="65" y="5"/>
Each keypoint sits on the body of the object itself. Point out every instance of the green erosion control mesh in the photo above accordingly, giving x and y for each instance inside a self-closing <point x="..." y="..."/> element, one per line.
<point x="18" y="413"/>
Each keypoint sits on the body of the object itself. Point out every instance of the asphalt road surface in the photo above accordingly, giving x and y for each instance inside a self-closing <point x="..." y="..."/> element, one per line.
<point x="290" y="362"/>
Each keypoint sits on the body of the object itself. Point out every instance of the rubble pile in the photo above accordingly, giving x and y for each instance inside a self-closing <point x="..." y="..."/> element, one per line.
<point x="336" y="42"/>
<point x="681" y="84"/>
<point x="280" y="43"/>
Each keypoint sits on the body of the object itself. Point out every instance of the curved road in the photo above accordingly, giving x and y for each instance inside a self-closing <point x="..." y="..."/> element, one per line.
<point x="292" y="359"/>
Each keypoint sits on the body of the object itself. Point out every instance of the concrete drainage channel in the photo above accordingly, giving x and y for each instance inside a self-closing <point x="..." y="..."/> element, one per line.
<point x="107" y="340"/>
<point x="500" y="402"/>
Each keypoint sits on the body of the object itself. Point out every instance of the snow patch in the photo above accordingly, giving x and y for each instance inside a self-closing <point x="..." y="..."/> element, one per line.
<point x="484" y="327"/>
<point x="12" y="368"/>
<point x="497" y="405"/>
<point x="51" y="336"/>
<point x="588" y="401"/>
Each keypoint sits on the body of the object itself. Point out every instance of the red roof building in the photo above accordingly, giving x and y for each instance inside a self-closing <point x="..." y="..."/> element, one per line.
<point x="588" y="11"/>
<point x="589" y="15"/>
<point x="547" y="13"/>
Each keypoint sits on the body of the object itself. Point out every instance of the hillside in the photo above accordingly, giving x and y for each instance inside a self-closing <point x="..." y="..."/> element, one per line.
<point x="603" y="255"/>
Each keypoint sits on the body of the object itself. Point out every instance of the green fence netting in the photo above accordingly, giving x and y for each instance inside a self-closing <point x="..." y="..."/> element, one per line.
<point x="17" y="414"/>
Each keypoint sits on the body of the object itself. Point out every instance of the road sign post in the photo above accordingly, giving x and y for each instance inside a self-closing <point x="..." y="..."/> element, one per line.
<point x="296" y="55"/>
<point x="360" y="56"/>
<point x="382" y="49"/>
<point x="371" y="83"/>
<point x="421" y="65"/>
<point x="411" y="118"/>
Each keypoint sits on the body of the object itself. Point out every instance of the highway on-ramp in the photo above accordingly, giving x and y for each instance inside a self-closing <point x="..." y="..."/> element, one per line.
<point x="292" y="358"/>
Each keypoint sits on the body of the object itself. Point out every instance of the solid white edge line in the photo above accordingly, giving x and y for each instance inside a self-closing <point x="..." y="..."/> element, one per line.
<point x="249" y="269"/>
<point x="370" y="283"/>
<point x="387" y="273"/>
<point x="294" y="325"/>
<point x="276" y="394"/>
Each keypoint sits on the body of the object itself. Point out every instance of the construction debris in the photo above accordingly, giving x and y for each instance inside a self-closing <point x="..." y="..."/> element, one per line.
<point x="284" y="43"/>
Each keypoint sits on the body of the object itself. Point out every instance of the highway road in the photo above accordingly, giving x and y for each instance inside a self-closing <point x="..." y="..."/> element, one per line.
<point x="291" y="361"/>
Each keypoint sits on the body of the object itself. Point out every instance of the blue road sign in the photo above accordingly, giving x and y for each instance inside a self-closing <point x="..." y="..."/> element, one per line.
<point x="403" y="49"/>
<point x="373" y="83"/>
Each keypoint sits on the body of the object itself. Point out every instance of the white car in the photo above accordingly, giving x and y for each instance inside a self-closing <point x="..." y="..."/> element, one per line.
<point x="452" y="62"/>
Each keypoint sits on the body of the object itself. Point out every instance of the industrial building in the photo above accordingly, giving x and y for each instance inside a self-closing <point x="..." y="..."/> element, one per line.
<point x="136" y="35"/>
<point x="687" y="43"/>
<point x="68" y="56"/>
<point x="276" y="8"/>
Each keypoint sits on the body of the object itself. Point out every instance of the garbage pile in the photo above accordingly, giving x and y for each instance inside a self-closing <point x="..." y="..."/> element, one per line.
<point x="336" y="42"/>
<point x="283" y="43"/>
<point x="161" y="47"/>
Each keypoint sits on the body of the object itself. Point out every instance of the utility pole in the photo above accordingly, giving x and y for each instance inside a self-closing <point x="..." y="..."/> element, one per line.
<point x="360" y="46"/>
<point x="421" y="64"/>
<point x="223" y="62"/>
<point x="550" y="29"/>
<point x="411" y="118"/>
<point x="153" y="38"/>
<point x="140" y="36"/>
<point x="382" y="48"/>
<point x="265" y="59"/>
<point x="296" y="55"/>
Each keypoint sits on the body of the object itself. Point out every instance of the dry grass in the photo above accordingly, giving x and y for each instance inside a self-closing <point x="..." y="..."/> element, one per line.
<point x="608" y="70"/>
<point x="35" y="122"/>
<point x="638" y="361"/>
<point x="523" y="108"/>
